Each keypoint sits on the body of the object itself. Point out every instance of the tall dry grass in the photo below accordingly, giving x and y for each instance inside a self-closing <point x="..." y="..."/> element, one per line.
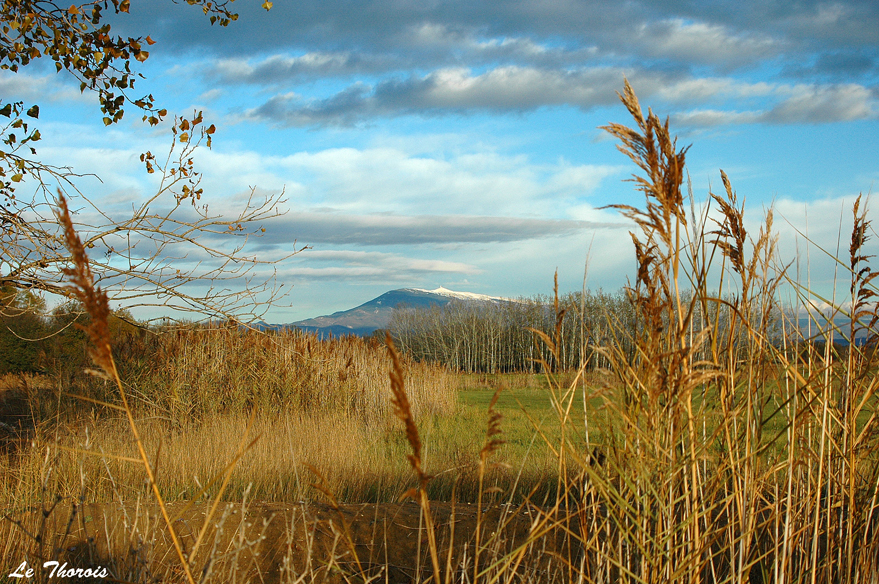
<point x="719" y="454"/>
<point x="221" y="377"/>
<point x="194" y="371"/>
<point x="722" y="456"/>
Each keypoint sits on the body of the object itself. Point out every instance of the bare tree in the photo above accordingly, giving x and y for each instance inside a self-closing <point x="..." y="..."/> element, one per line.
<point x="170" y="250"/>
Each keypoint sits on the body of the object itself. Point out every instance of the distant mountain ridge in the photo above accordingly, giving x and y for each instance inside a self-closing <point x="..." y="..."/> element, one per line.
<point x="375" y="314"/>
<point x="370" y="316"/>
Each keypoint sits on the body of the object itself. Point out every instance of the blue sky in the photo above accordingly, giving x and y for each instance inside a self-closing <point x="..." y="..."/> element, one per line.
<point x="429" y="143"/>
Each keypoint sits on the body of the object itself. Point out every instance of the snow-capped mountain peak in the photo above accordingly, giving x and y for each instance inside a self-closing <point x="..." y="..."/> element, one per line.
<point x="461" y="295"/>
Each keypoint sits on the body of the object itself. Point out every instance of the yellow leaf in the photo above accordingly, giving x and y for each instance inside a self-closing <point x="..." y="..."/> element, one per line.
<point x="267" y="5"/>
<point x="73" y="9"/>
<point x="16" y="178"/>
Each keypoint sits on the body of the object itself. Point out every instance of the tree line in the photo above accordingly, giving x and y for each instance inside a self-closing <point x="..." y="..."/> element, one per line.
<point x="34" y="339"/>
<point x="500" y="336"/>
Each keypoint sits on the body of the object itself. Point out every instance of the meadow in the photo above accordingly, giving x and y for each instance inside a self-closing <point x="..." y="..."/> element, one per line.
<point x="708" y="443"/>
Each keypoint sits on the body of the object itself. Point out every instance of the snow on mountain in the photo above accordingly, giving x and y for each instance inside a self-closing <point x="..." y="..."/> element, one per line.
<point x="370" y="316"/>
<point x="461" y="295"/>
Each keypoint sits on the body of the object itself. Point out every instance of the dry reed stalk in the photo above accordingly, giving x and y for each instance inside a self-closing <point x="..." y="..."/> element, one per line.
<point x="492" y="443"/>
<point x="96" y="304"/>
<point x="662" y="485"/>
<point x="98" y="307"/>
<point x="196" y="372"/>
<point x="403" y="411"/>
<point x="696" y="485"/>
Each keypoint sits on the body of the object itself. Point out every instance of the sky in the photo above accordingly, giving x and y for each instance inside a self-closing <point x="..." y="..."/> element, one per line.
<point x="427" y="143"/>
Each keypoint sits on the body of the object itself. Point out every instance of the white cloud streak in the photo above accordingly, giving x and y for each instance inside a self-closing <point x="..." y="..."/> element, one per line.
<point x="519" y="89"/>
<point x="374" y="230"/>
<point x="369" y="266"/>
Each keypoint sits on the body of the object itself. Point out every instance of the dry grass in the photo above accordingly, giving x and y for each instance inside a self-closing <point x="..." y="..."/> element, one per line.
<point x="191" y="372"/>
<point x="356" y="459"/>
<point x="719" y="453"/>
<point x="692" y="484"/>
<point x="361" y="461"/>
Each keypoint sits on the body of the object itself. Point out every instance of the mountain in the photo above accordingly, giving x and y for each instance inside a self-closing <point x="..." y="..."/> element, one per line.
<point x="818" y="328"/>
<point x="376" y="314"/>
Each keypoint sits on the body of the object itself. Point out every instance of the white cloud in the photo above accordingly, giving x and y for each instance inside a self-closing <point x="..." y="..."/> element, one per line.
<point x="519" y="89"/>
<point x="476" y="48"/>
<point x="40" y="89"/>
<point x="508" y="88"/>
<point x="386" y="179"/>
<point x="700" y="89"/>
<point x="211" y="94"/>
<point x="787" y="104"/>
<point x="824" y="103"/>
<point x="383" y="193"/>
<point x="369" y="266"/>
<point x="281" y="68"/>
<point x="330" y="227"/>
<point x="710" y="117"/>
<point x="702" y="42"/>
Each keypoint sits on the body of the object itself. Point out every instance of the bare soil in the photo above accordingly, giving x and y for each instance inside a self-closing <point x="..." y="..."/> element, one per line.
<point x="278" y="542"/>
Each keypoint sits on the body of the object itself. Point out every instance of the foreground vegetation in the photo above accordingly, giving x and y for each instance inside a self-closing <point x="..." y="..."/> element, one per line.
<point x="709" y="446"/>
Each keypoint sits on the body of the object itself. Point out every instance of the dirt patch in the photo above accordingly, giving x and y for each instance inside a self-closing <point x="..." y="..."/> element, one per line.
<point x="277" y="542"/>
<point x="14" y="408"/>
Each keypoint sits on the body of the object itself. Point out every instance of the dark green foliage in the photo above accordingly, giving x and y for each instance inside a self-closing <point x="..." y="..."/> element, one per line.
<point x="21" y="328"/>
<point x="34" y="341"/>
<point x="19" y="353"/>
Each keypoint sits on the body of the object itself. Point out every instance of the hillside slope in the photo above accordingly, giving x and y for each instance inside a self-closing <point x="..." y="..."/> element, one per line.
<point x="370" y="316"/>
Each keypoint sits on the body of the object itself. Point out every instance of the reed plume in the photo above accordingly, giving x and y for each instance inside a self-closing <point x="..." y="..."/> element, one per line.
<point x="403" y="411"/>
<point x="97" y="305"/>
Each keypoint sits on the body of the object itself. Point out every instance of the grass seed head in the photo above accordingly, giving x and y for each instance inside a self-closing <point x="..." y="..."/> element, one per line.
<point x="83" y="288"/>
